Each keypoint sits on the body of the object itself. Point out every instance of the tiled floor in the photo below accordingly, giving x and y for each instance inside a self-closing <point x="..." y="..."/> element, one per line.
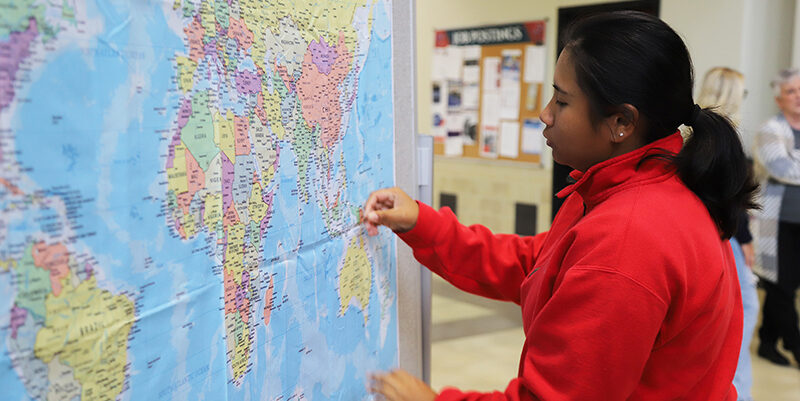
<point x="476" y="345"/>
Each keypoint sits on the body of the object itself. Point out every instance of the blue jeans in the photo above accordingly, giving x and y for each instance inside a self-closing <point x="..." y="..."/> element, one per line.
<point x="743" y="379"/>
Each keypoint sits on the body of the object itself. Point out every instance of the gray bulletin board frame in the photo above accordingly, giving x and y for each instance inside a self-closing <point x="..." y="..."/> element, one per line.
<point x="412" y="298"/>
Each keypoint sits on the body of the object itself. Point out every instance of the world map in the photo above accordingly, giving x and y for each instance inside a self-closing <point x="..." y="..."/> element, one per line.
<point x="180" y="184"/>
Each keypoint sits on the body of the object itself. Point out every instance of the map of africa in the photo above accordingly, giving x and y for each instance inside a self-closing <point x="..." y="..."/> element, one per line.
<point x="180" y="184"/>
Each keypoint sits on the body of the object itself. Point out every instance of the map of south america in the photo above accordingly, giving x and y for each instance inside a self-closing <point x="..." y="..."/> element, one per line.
<point x="179" y="191"/>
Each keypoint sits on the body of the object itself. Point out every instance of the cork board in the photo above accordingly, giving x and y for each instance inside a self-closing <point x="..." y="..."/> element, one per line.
<point x="529" y="106"/>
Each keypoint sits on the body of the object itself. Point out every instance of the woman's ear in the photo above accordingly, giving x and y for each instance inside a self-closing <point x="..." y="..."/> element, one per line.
<point x="623" y="123"/>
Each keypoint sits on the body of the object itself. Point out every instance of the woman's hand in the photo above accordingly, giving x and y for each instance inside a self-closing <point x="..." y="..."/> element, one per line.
<point x="398" y="385"/>
<point x="390" y="207"/>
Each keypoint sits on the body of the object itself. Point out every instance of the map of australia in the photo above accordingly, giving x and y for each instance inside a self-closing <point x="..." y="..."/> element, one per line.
<point x="179" y="192"/>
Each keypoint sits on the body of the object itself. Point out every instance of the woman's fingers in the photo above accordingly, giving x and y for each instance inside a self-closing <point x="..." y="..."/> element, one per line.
<point x="379" y="200"/>
<point x="375" y="201"/>
<point x="383" y="385"/>
<point x="399" y="385"/>
<point x="380" y="385"/>
<point x="390" y="207"/>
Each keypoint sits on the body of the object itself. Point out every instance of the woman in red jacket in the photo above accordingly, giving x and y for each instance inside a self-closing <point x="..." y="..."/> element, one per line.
<point x="633" y="293"/>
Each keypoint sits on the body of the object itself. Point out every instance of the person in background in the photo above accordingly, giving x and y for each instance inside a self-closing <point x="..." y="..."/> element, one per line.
<point x="723" y="89"/>
<point x="777" y="159"/>
<point x="633" y="293"/>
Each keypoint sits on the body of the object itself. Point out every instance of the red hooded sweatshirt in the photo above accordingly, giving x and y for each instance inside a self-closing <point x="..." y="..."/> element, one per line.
<point x="631" y="295"/>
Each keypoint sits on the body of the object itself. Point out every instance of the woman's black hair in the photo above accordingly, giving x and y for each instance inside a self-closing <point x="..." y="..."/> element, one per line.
<point x="634" y="58"/>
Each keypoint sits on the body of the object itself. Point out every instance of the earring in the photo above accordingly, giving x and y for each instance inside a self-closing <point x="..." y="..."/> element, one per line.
<point x="620" y="134"/>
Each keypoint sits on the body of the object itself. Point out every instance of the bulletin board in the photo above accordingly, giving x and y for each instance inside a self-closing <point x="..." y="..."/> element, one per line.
<point x="516" y="135"/>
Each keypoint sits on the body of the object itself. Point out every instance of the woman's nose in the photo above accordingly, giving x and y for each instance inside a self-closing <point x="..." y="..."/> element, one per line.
<point x="546" y="116"/>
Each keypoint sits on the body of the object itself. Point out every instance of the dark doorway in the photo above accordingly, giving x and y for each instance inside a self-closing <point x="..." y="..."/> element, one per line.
<point x="525" y="219"/>
<point x="449" y="200"/>
<point x="565" y="16"/>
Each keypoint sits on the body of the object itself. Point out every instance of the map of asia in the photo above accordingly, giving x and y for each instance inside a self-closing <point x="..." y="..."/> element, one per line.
<point x="180" y="184"/>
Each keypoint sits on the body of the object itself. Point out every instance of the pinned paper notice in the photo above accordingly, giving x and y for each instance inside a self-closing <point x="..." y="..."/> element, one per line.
<point x="509" y="139"/>
<point x="471" y="52"/>
<point x="535" y="61"/>
<point x="455" y="124"/>
<point x="454" y="62"/>
<point x="509" y="99"/>
<point x="470" y="97"/>
<point x="470" y="128"/>
<point x="532" y="137"/>
<point x="490" y="109"/>
<point x="491" y="74"/>
<point x="532" y="97"/>
<point x="453" y="146"/>
<point x="472" y="64"/>
<point x="439" y="64"/>
<point x="439" y="108"/>
<point x="510" y="86"/>
<point x="455" y="91"/>
<point x="488" y="145"/>
<point x="472" y="72"/>
<point x="511" y="64"/>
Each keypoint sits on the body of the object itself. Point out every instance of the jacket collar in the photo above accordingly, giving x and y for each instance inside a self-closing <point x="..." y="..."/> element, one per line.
<point x="615" y="174"/>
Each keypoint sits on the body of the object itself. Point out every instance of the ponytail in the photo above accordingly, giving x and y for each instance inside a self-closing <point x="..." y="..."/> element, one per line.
<point x="713" y="165"/>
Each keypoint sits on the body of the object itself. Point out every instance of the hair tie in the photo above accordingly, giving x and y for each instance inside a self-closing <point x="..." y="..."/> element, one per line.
<point x="693" y="116"/>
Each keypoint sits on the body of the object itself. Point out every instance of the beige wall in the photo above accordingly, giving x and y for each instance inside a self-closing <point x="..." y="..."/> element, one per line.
<point x="796" y="43"/>
<point x="487" y="191"/>
<point x="754" y="36"/>
<point x="767" y="42"/>
<point x="711" y="32"/>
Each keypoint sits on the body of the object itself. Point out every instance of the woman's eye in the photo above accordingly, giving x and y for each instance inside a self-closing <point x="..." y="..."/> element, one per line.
<point x="560" y="103"/>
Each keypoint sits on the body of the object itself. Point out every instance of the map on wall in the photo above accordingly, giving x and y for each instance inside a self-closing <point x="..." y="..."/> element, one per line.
<point x="180" y="184"/>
